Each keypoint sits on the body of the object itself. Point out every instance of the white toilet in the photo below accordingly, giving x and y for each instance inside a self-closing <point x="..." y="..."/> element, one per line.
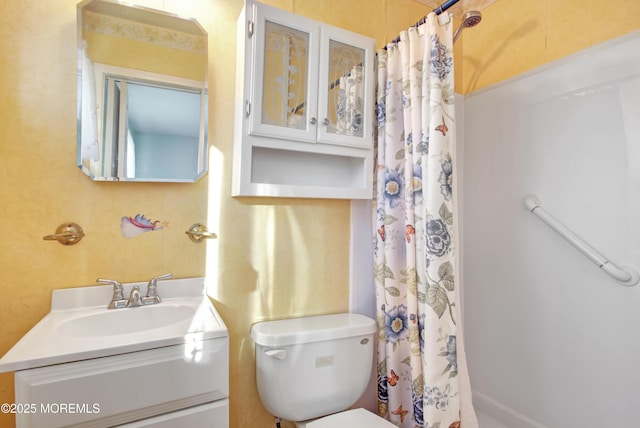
<point x="310" y="370"/>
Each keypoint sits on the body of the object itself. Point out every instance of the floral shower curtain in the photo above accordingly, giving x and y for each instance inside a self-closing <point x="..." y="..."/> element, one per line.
<point x="419" y="358"/>
<point x="350" y="100"/>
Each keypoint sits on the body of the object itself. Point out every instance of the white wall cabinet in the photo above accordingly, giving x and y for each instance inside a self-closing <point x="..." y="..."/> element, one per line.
<point x="304" y="113"/>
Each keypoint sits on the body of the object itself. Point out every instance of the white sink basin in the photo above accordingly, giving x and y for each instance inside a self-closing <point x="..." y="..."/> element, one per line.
<point x="125" y="321"/>
<point x="79" y="325"/>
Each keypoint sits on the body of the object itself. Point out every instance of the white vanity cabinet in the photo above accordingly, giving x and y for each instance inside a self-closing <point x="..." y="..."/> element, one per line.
<point x="304" y="117"/>
<point x="175" y="386"/>
<point x="164" y="365"/>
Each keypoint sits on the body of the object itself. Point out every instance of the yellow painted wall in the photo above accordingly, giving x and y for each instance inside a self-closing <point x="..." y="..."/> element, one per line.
<point x="273" y="258"/>
<point x="518" y="35"/>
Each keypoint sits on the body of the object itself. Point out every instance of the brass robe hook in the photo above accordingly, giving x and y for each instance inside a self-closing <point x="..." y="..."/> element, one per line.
<point x="66" y="234"/>
<point x="198" y="232"/>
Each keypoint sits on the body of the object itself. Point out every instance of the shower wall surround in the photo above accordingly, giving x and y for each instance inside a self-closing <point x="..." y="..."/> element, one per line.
<point x="550" y="337"/>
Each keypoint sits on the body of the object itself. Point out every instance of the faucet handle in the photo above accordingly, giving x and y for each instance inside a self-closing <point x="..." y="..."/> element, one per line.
<point x="117" y="301"/>
<point x="152" y="289"/>
<point x="155" y="280"/>
<point x="117" y="287"/>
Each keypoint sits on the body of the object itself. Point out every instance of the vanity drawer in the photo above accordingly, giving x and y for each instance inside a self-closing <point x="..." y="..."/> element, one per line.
<point x="211" y="415"/>
<point x="114" y="390"/>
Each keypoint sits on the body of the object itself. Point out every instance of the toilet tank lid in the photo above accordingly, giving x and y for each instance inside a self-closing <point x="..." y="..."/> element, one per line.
<point x="311" y="329"/>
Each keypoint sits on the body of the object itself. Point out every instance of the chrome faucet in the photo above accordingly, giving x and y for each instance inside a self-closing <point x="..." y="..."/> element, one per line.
<point x="117" y="301"/>
<point x="152" y="290"/>
<point x="134" y="297"/>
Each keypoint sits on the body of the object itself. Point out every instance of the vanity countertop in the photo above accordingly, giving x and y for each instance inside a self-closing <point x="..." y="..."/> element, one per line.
<point x="79" y="327"/>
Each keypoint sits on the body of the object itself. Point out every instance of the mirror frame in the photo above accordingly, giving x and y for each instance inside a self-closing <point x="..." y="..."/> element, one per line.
<point x="101" y="71"/>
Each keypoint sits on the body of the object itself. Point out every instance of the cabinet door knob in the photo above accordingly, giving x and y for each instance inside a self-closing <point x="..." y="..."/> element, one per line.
<point x="313" y="121"/>
<point x="325" y="122"/>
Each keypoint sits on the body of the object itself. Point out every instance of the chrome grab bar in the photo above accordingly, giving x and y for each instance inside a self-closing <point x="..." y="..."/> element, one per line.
<point x="626" y="275"/>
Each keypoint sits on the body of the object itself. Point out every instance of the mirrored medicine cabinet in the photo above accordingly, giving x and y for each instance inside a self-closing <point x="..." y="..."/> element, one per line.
<point x="142" y="94"/>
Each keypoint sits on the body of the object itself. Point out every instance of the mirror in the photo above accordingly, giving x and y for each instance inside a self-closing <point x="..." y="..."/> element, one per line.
<point x="142" y="94"/>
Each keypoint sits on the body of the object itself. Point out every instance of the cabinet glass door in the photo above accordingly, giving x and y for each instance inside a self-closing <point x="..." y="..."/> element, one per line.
<point x="345" y="103"/>
<point x="345" y="88"/>
<point x="286" y="76"/>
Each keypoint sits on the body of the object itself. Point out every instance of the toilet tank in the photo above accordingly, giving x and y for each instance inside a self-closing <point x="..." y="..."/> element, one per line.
<point x="314" y="366"/>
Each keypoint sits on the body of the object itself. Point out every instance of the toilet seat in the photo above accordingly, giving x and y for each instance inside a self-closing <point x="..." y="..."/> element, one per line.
<point x="356" y="418"/>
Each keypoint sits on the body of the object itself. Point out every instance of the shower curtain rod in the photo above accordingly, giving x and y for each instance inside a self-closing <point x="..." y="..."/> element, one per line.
<point x="438" y="10"/>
